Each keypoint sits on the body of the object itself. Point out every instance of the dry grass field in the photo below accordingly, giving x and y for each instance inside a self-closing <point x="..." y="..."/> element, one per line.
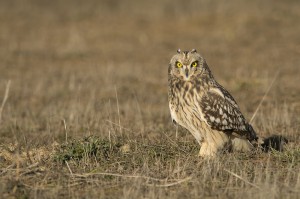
<point x="86" y="113"/>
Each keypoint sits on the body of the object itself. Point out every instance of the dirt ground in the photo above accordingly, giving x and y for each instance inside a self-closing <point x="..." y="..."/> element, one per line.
<point x="86" y="113"/>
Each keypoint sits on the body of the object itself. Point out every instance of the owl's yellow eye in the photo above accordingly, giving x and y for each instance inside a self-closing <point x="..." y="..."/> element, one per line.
<point x="178" y="64"/>
<point x="194" y="64"/>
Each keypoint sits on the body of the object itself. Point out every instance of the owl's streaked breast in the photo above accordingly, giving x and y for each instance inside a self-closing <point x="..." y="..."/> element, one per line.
<point x="183" y="98"/>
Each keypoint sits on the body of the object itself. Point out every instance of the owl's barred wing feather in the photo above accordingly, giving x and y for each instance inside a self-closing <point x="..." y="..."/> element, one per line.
<point x="222" y="113"/>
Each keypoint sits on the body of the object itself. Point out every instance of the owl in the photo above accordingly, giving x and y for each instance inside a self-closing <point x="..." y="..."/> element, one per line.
<point x="206" y="109"/>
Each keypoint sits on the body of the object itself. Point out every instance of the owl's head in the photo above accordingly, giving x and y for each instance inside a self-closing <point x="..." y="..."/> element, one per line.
<point x="187" y="65"/>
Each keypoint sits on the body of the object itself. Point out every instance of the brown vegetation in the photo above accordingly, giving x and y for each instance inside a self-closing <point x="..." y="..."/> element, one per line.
<point x="86" y="113"/>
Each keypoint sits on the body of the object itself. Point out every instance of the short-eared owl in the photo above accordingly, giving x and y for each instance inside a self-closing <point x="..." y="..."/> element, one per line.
<point x="201" y="105"/>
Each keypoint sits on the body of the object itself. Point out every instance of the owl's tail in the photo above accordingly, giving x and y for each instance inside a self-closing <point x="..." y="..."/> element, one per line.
<point x="252" y="136"/>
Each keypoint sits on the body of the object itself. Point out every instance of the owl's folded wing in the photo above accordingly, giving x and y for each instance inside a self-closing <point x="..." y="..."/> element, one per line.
<point x="222" y="113"/>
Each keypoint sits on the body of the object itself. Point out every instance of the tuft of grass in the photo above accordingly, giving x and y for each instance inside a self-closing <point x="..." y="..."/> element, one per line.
<point x="88" y="147"/>
<point x="289" y="155"/>
<point x="105" y="151"/>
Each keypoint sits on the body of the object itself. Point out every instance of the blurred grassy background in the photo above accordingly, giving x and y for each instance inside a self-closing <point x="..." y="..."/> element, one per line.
<point x="67" y="60"/>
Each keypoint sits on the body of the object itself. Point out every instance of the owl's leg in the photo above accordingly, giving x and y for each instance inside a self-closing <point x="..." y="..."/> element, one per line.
<point x="215" y="141"/>
<point x="197" y="136"/>
<point x="241" y="145"/>
<point x="207" y="150"/>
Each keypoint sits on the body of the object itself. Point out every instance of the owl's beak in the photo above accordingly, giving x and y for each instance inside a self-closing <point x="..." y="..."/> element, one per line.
<point x="186" y="72"/>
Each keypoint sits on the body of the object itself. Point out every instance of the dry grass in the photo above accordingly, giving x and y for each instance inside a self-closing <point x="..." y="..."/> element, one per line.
<point x="85" y="112"/>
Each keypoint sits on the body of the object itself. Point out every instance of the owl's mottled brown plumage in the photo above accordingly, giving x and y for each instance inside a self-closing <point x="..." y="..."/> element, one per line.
<point x="201" y="105"/>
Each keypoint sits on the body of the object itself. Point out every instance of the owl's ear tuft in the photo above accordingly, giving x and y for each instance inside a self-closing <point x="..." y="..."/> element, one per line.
<point x="193" y="51"/>
<point x="178" y="51"/>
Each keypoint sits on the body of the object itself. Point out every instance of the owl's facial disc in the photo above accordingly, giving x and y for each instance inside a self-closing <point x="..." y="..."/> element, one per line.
<point x="186" y="65"/>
